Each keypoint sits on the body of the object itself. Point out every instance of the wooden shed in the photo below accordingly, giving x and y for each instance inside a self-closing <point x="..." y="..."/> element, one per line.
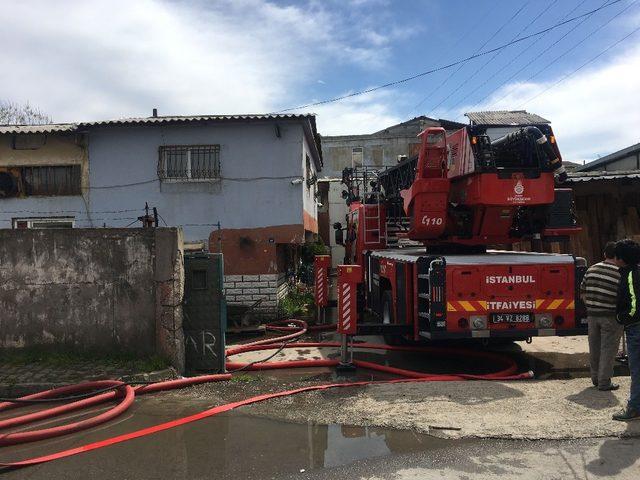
<point x="607" y="208"/>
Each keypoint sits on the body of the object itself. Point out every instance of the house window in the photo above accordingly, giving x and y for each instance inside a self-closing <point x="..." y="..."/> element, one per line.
<point x="357" y="156"/>
<point x="43" y="222"/>
<point x="189" y="162"/>
<point x="52" y="180"/>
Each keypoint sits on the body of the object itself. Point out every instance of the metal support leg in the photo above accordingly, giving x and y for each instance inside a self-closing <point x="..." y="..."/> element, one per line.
<point x="346" y="355"/>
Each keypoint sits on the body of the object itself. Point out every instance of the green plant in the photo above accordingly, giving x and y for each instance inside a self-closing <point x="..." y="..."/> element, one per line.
<point x="308" y="252"/>
<point x="243" y="378"/>
<point x="299" y="301"/>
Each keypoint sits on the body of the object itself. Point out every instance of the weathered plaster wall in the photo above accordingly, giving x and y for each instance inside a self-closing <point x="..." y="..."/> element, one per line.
<point x="58" y="149"/>
<point x="256" y="191"/>
<point x="92" y="289"/>
<point x="251" y="151"/>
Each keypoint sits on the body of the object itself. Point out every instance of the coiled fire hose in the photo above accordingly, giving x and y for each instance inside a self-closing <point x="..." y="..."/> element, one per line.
<point x="93" y="393"/>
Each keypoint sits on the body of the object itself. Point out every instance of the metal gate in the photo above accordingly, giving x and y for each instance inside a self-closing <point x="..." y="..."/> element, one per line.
<point x="204" y="312"/>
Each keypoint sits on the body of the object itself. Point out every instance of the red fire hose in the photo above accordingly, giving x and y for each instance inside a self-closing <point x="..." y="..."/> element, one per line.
<point x="125" y="394"/>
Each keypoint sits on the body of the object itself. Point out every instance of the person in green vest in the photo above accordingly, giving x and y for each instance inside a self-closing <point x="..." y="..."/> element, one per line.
<point x="628" y="314"/>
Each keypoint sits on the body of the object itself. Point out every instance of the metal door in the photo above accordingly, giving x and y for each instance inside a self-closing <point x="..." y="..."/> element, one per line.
<point x="204" y="312"/>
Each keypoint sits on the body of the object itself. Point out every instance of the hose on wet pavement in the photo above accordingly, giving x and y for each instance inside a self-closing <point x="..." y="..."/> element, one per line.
<point x="124" y="394"/>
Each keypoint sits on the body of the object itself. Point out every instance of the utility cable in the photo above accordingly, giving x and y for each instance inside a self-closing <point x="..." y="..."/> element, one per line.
<point x="160" y="216"/>
<point x="513" y="59"/>
<point x="539" y="55"/>
<point x="186" y="180"/>
<point x="581" y="41"/>
<point x="584" y="64"/>
<point x="455" y="44"/>
<point x="479" y="49"/>
<point x="444" y="67"/>
<point x="48" y="212"/>
<point x="136" y="220"/>
<point x="493" y="57"/>
<point x="536" y="57"/>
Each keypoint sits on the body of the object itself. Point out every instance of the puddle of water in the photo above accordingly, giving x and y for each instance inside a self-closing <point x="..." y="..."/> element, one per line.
<point x="232" y="445"/>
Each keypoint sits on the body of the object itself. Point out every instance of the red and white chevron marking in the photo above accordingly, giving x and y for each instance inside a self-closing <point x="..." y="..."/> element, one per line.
<point x="345" y="310"/>
<point x="321" y="287"/>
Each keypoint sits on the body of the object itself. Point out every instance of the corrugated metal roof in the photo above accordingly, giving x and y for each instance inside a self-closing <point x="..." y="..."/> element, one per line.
<point x="196" y="118"/>
<point x="47" y="128"/>
<point x="576" y="177"/>
<point x="612" y="157"/>
<point x="67" y="127"/>
<point x="505" y="117"/>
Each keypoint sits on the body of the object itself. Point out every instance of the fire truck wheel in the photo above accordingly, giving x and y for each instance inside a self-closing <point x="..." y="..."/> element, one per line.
<point x="388" y="318"/>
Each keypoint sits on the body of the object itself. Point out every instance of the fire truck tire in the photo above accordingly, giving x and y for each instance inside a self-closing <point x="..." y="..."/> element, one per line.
<point x="389" y="318"/>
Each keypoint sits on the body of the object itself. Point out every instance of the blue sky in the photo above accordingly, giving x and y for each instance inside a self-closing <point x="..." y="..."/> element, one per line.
<point x="108" y="59"/>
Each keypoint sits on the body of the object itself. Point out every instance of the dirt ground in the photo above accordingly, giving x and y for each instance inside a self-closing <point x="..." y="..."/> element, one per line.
<point x="546" y="409"/>
<point x="568" y="408"/>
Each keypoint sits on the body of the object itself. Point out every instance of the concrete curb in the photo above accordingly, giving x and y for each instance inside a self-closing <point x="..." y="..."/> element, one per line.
<point x="21" y="389"/>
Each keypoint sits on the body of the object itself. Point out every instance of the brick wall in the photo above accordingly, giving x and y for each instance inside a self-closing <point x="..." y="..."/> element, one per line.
<point x="246" y="290"/>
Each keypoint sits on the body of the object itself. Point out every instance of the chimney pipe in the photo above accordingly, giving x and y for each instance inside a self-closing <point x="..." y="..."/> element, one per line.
<point x="155" y="112"/>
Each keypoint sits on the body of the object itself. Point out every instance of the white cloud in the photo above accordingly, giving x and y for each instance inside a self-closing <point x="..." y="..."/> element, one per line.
<point x="358" y="115"/>
<point x="105" y="59"/>
<point x="593" y="113"/>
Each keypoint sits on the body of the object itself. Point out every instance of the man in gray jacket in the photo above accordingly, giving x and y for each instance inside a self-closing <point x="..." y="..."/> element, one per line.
<point x="599" y="290"/>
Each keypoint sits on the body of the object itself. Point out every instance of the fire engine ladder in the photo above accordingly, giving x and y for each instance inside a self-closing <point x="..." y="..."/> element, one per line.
<point x="372" y="220"/>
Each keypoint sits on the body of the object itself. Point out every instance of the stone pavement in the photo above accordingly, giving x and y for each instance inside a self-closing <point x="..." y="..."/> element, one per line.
<point x="22" y="379"/>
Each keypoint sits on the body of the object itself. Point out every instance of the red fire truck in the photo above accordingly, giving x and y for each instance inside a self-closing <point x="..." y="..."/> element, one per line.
<point x="422" y="232"/>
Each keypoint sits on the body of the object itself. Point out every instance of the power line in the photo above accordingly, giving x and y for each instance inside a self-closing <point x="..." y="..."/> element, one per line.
<point x="101" y="187"/>
<point x="478" y="70"/>
<point x="444" y="67"/>
<point x="584" y="64"/>
<point x="8" y="219"/>
<point x="136" y="220"/>
<point x="200" y="224"/>
<point x="581" y="41"/>
<point x="160" y="216"/>
<point x="229" y="179"/>
<point x="49" y="212"/>
<point x="513" y="59"/>
<point x="539" y="55"/>
<point x="252" y="179"/>
<point x="479" y="49"/>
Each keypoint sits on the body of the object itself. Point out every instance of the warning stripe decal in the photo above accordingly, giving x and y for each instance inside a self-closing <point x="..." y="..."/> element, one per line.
<point x="481" y="305"/>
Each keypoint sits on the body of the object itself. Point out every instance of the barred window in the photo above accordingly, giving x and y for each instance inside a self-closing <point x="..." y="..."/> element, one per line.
<point x="52" y="180"/>
<point x="189" y="162"/>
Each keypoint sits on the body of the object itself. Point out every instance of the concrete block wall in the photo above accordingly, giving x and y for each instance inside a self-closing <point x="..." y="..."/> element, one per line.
<point x="246" y="290"/>
<point x="97" y="290"/>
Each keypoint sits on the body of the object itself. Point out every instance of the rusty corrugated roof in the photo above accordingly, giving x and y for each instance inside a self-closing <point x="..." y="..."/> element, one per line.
<point x="45" y="128"/>
<point x="612" y="157"/>
<point x="505" y="118"/>
<point x="576" y="177"/>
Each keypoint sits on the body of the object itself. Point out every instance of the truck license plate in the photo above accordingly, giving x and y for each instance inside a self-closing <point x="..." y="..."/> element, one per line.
<point x="511" y="317"/>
